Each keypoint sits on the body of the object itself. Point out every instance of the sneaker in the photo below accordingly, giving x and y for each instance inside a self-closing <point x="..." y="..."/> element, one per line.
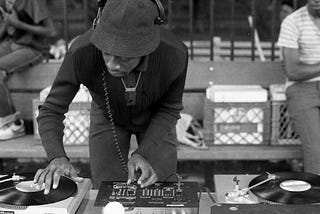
<point x="11" y="130"/>
<point x="8" y="119"/>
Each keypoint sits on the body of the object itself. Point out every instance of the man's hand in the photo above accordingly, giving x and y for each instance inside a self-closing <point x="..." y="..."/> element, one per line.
<point x="50" y="176"/>
<point x="137" y="163"/>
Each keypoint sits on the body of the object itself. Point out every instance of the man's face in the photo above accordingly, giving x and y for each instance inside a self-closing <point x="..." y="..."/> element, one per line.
<point x="120" y="66"/>
<point x="314" y="5"/>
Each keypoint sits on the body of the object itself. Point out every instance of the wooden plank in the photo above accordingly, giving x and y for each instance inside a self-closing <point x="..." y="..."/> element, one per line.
<point x="241" y="153"/>
<point x="24" y="147"/>
<point x="35" y="78"/>
<point x="234" y="73"/>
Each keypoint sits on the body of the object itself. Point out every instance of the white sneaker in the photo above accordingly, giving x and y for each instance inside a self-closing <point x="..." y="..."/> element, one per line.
<point x="11" y="130"/>
<point x="6" y="120"/>
<point x="9" y="119"/>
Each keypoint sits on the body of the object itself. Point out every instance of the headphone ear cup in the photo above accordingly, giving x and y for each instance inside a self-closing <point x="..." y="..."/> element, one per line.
<point x="160" y="19"/>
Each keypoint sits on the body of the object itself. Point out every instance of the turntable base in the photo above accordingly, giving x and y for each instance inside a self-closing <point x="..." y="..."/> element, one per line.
<point x="67" y="206"/>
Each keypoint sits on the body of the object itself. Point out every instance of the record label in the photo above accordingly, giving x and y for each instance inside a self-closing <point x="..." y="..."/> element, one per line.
<point x="25" y="193"/>
<point x="288" y="188"/>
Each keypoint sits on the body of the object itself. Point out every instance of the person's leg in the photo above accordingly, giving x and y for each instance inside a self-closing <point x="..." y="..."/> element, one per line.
<point x="164" y="160"/>
<point x="19" y="58"/>
<point x="5" y="100"/>
<point x="303" y="106"/>
<point x="105" y="162"/>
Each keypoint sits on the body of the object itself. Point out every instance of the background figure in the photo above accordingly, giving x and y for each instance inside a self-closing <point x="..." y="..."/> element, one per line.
<point x="25" y="25"/>
<point x="300" y="39"/>
<point x="285" y="9"/>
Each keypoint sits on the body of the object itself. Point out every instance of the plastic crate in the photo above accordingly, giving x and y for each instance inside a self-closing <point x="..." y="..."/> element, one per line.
<point x="77" y="122"/>
<point x="236" y="123"/>
<point x="282" y="129"/>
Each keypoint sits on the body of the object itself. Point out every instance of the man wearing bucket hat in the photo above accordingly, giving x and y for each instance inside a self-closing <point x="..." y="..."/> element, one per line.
<point x="135" y="72"/>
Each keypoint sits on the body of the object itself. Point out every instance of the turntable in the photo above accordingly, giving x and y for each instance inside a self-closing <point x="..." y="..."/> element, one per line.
<point x="18" y="195"/>
<point x="280" y="192"/>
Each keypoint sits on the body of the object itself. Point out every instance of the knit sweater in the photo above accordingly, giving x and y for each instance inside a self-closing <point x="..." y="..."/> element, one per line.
<point x="158" y="99"/>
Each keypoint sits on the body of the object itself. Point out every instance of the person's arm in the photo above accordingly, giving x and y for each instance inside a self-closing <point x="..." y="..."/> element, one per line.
<point x="44" y="28"/>
<point x="51" y="113"/>
<point x="50" y="120"/>
<point x="297" y="70"/>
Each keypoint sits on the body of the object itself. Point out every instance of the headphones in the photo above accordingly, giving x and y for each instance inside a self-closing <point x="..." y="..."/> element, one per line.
<point x="159" y="20"/>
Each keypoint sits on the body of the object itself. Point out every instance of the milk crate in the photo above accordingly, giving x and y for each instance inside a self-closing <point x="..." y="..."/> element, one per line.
<point x="236" y="123"/>
<point x="77" y="122"/>
<point x="282" y="129"/>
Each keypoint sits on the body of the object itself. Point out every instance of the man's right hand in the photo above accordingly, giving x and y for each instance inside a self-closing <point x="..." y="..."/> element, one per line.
<point x="50" y="176"/>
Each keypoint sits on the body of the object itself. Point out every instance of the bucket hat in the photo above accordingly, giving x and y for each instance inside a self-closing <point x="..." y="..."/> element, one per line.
<point x="127" y="29"/>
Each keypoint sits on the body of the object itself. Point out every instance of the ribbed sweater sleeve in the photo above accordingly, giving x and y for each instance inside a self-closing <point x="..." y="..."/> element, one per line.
<point x="51" y="113"/>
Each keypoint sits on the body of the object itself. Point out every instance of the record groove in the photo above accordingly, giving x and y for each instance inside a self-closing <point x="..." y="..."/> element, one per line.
<point x="274" y="190"/>
<point x="9" y="195"/>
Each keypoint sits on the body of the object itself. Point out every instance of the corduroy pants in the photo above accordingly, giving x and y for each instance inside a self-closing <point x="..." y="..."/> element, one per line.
<point x="304" y="108"/>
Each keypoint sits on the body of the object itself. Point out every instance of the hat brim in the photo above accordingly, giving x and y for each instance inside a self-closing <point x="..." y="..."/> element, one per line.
<point x="126" y="45"/>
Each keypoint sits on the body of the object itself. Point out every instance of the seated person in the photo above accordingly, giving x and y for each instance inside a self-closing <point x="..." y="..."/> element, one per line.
<point x="25" y="26"/>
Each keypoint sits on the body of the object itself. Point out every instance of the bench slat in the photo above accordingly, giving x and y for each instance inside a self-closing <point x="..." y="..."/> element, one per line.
<point x="35" y="78"/>
<point x="234" y="73"/>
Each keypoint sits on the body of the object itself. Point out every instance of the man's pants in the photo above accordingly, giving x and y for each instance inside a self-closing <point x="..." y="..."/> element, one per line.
<point x="304" y="108"/>
<point x="104" y="159"/>
<point x="13" y="57"/>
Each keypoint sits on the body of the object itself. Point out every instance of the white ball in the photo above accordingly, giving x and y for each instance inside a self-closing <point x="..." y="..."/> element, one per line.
<point x="113" y="207"/>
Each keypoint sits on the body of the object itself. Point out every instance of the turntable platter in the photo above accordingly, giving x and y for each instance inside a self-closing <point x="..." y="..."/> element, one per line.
<point x="288" y="188"/>
<point x="25" y="193"/>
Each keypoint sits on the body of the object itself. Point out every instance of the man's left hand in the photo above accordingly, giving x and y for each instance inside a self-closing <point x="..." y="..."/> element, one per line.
<point x="137" y="163"/>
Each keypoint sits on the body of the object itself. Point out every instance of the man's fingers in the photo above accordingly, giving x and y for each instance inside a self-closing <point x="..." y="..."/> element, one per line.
<point x="75" y="177"/>
<point x="151" y="180"/>
<point x="144" y="174"/>
<point x="131" y="170"/>
<point x="48" y="182"/>
<point x="37" y="175"/>
<point x="56" y="178"/>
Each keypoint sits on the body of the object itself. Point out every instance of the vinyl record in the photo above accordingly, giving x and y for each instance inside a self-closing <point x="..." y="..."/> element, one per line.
<point x="24" y="193"/>
<point x="288" y="188"/>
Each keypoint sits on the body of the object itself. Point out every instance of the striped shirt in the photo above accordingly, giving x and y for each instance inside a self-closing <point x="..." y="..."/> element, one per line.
<point x="299" y="31"/>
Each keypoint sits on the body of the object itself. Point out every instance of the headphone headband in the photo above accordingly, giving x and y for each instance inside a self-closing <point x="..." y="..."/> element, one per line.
<point x="159" y="19"/>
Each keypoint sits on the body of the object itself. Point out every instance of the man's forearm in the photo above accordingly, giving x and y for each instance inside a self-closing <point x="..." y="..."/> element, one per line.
<point x="303" y="72"/>
<point x="37" y="29"/>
